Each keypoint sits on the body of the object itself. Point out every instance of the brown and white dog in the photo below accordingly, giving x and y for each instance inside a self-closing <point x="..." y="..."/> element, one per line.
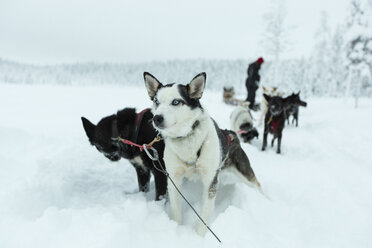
<point x="229" y="97"/>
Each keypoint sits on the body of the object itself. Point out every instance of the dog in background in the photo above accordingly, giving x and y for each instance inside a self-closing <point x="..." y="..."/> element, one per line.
<point x="194" y="144"/>
<point x="294" y="103"/>
<point x="241" y="122"/>
<point x="229" y="97"/>
<point x="274" y="120"/>
<point x="136" y="128"/>
<point x="270" y="91"/>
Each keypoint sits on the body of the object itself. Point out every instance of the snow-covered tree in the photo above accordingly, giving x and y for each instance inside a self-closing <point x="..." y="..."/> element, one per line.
<point x="275" y="38"/>
<point x="337" y="67"/>
<point x="359" y="45"/>
<point x="320" y="74"/>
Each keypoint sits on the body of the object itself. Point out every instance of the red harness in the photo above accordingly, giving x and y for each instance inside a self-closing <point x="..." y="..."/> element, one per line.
<point x="228" y="140"/>
<point x="138" y="124"/>
<point x="139" y="117"/>
<point x="275" y="125"/>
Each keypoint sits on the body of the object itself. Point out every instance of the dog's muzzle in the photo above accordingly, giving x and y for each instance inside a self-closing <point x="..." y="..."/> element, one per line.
<point x="303" y="104"/>
<point x="158" y="121"/>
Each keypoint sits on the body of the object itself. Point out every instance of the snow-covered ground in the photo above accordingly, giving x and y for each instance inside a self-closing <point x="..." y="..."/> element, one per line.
<point x="57" y="191"/>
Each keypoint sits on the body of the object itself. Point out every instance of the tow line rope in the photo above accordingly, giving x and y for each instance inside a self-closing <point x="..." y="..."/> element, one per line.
<point x="155" y="158"/>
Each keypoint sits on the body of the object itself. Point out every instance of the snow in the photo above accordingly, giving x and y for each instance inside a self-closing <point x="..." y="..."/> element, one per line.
<point x="58" y="191"/>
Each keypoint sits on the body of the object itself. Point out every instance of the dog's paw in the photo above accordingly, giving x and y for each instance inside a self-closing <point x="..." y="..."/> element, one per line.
<point x="201" y="229"/>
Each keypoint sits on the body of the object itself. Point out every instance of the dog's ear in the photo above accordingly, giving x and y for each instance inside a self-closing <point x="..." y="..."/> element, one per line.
<point x="264" y="88"/>
<point x="298" y="92"/>
<point x="267" y="97"/>
<point x="88" y="127"/>
<point x="274" y="89"/>
<point x="224" y="88"/>
<point x="152" y="84"/>
<point x="197" y="85"/>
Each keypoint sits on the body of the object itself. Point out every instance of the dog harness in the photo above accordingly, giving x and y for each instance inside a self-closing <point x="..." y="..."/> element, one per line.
<point x="275" y="125"/>
<point x="136" y="132"/>
<point x="138" y="123"/>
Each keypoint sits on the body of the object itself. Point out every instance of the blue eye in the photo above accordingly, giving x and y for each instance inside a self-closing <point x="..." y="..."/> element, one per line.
<point x="156" y="101"/>
<point x="175" y="102"/>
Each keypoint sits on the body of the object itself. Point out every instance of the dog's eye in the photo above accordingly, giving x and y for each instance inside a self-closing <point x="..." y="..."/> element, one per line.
<point x="175" y="102"/>
<point x="156" y="101"/>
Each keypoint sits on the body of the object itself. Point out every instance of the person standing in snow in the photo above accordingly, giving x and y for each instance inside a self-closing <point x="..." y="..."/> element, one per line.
<point x="253" y="80"/>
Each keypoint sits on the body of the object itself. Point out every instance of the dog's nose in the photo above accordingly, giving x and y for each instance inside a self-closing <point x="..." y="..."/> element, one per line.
<point x="158" y="120"/>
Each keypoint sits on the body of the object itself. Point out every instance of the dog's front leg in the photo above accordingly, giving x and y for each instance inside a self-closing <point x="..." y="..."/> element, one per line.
<point x="175" y="168"/>
<point x="295" y="116"/>
<point x="209" y="196"/>
<point x="160" y="184"/>
<point x="174" y="196"/>
<point x="279" y="140"/>
<point x="264" y="142"/>
<point x="143" y="177"/>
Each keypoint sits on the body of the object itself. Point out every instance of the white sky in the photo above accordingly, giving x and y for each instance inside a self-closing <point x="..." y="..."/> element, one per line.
<point x="50" y="31"/>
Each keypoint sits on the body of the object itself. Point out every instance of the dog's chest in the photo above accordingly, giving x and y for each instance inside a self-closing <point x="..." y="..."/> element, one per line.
<point x="188" y="149"/>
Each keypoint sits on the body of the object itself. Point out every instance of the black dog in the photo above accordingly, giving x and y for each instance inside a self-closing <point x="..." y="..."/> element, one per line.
<point x="294" y="102"/>
<point x="136" y="128"/>
<point x="274" y="119"/>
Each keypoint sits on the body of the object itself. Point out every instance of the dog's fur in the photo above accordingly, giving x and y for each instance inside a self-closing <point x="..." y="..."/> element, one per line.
<point x="194" y="145"/>
<point x="123" y="124"/>
<point x="294" y="103"/>
<point x="241" y="122"/>
<point x="274" y="120"/>
<point x="270" y="91"/>
<point x="229" y="97"/>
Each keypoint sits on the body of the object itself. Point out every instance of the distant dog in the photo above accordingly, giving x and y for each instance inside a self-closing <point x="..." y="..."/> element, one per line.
<point x="241" y="122"/>
<point x="194" y="144"/>
<point x="294" y="102"/>
<point x="229" y="97"/>
<point x="274" y="120"/>
<point x="270" y="91"/>
<point x="136" y="128"/>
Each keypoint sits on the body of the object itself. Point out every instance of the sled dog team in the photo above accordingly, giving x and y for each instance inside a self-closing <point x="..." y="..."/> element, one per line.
<point x="192" y="145"/>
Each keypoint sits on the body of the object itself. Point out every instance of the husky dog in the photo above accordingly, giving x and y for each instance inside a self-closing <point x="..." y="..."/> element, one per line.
<point x="274" y="120"/>
<point x="136" y="128"/>
<point x="228" y="94"/>
<point x="194" y="144"/>
<point x="270" y="91"/>
<point x="241" y="122"/>
<point x="229" y="97"/>
<point x="294" y="102"/>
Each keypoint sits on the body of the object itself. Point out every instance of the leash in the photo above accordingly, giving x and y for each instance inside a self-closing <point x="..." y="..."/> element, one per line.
<point x="141" y="147"/>
<point x="155" y="158"/>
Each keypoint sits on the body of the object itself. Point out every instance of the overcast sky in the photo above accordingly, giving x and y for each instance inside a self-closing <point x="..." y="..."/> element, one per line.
<point x="51" y="31"/>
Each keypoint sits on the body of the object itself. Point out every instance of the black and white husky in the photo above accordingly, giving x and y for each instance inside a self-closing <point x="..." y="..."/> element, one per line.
<point x="194" y="145"/>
